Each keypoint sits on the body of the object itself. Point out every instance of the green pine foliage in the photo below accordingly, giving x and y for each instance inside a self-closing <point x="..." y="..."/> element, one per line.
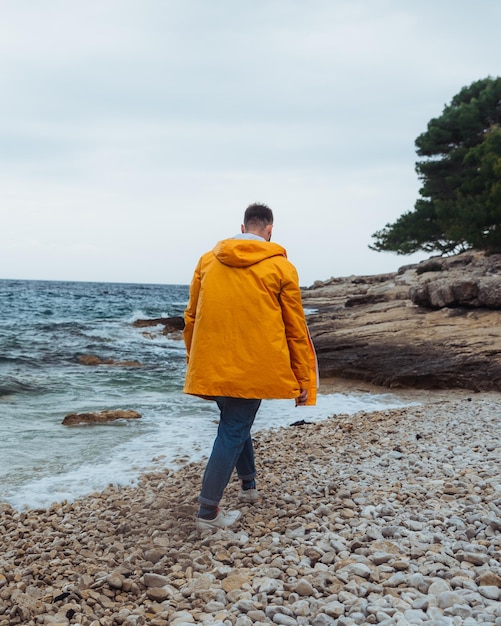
<point x="460" y="170"/>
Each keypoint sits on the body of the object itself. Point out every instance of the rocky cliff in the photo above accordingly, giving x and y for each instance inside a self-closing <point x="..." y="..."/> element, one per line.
<point x="436" y="324"/>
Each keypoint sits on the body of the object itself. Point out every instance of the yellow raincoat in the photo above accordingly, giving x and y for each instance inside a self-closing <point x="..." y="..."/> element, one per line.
<point x="245" y="330"/>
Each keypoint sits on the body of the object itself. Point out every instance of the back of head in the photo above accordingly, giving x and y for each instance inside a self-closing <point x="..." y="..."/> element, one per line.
<point x="257" y="216"/>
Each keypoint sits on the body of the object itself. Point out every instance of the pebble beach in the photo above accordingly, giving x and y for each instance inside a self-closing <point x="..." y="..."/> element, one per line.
<point x="390" y="517"/>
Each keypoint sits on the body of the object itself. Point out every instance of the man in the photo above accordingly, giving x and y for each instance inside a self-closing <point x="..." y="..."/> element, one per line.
<point x="246" y="340"/>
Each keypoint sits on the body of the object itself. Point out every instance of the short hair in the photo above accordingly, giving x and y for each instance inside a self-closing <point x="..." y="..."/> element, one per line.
<point x="258" y="215"/>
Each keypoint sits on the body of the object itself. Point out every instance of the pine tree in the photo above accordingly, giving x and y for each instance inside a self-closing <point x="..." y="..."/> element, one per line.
<point x="460" y="171"/>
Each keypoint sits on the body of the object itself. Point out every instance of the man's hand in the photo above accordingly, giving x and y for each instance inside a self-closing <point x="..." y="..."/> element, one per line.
<point x="303" y="397"/>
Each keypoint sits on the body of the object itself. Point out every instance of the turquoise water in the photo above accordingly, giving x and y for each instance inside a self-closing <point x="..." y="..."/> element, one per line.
<point x="44" y="328"/>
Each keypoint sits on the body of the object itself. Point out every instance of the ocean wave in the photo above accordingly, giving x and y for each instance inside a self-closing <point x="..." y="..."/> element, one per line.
<point x="10" y="386"/>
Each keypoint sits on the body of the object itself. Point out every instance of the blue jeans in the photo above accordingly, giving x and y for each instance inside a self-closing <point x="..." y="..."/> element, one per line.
<point x="232" y="448"/>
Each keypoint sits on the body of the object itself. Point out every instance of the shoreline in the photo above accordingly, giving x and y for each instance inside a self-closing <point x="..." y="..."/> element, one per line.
<point x="159" y="441"/>
<point x="377" y="516"/>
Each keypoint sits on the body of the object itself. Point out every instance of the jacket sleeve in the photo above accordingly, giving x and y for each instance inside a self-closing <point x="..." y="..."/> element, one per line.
<point x="190" y="312"/>
<point x="296" y="331"/>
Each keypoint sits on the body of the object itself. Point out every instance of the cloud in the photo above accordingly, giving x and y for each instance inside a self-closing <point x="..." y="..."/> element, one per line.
<point x="133" y="134"/>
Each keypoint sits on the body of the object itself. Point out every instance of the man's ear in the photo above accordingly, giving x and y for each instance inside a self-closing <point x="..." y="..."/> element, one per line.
<point x="242" y="228"/>
<point x="268" y="230"/>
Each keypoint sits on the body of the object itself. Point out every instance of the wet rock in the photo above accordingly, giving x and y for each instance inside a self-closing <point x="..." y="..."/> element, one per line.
<point x="92" y="359"/>
<point x="170" y="324"/>
<point x="99" y="417"/>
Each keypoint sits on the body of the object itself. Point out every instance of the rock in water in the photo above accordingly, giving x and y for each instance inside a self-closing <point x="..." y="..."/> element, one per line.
<point x="99" y="417"/>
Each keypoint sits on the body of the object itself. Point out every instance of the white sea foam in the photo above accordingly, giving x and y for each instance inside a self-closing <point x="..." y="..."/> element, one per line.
<point x="44" y="330"/>
<point x="182" y="432"/>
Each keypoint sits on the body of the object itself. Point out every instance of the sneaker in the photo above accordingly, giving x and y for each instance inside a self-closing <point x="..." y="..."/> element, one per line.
<point x="222" y="520"/>
<point x="250" y="496"/>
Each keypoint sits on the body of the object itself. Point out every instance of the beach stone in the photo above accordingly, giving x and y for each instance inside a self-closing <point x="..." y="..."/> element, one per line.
<point x="438" y="587"/>
<point x="197" y="585"/>
<point x="414" y="525"/>
<point x="301" y="608"/>
<point x="155" y="580"/>
<point x="396" y="580"/>
<point x="182" y="618"/>
<point x="476" y="558"/>
<point x="415" y="615"/>
<point x="485" y="579"/>
<point x="461" y="610"/>
<point x="420" y="603"/>
<point x="400" y="565"/>
<point x="284" y="620"/>
<point x="154" y="555"/>
<point x="245" y="605"/>
<point x="158" y="594"/>
<point x="257" y="616"/>
<point x="419" y="582"/>
<point x="324" y="620"/>
<point x="357" y="569"/>
<point x="378" y="558"/>
<point x="236" y="580"/>
<point x="490" y="591"/>
<point x="447" y="599"/>
<point x="304" y="588"/>
<point x="333" y="609"/>
<point x="115" y="581"/>
<point x="269" y="585"/>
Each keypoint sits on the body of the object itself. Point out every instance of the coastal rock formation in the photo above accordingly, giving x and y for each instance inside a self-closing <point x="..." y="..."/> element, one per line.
<point x="436" y="324"/>
<point x="99" y="417"/>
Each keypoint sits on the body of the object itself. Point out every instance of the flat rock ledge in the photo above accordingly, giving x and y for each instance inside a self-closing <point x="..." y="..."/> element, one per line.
<point x="391" y="517"/>
<point x="433" y="325"/>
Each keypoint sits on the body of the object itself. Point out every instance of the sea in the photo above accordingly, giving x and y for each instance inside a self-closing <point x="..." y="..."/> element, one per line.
<point x="45" y="327"/>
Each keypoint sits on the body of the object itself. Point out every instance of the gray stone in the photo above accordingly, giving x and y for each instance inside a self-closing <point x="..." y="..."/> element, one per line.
<point x="356" y="569"/>
<point x="397" y="579"/>
<point x="447" y="599"/>
<point x="437" y="587"/>
<point x="461" y="610"/>
<point x="490" y="592"/>
<point x="415" y="614"/>
<point x="284" y="620"/>
<point x="333" y="609"/>
<point x="155" y="580"/>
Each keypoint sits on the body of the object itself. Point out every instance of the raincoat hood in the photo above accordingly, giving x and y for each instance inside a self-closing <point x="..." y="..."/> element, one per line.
<point x="246" y="252"/>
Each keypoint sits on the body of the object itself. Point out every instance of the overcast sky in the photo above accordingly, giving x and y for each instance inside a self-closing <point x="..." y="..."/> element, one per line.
<point x="133" y="133"/>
